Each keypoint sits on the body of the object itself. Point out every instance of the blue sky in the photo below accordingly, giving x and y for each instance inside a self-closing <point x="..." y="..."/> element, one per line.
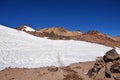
<point x="83" y="15"/>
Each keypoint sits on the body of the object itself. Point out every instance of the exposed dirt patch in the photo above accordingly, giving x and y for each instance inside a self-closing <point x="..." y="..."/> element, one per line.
<point x="75" y="71"/>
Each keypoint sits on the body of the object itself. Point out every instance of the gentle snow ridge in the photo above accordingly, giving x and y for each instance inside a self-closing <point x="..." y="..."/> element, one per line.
<point x="19" y="49"/>
<point x="27" y="28"/>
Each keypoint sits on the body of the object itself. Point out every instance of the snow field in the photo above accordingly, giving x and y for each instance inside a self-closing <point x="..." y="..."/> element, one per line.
<point x="22" y="50"/>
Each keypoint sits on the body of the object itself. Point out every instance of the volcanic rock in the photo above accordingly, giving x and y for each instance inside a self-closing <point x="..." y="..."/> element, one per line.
<point x="107" y="72"/>
<point x="116" y="77"/>
<point x="100" y="75"/>
<point x="53" y="69"/>
<point x="92" y="32"/>
<point x="111" y="56"/>
<point x="115" y="68"/>
<point x="107" y="68"/>
<point x="96" y="70"/>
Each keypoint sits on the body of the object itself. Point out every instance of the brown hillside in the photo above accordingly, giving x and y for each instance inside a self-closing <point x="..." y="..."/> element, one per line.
<point x="59" y="31"/>
<point x="97" y="37"/>
<point x="63" y="34"/>
<point x="117" y="38"/>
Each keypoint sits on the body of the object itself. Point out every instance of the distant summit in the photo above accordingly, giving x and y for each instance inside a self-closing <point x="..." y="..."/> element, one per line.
<point x="24" y="27"/>
<point x="61" y="31"/>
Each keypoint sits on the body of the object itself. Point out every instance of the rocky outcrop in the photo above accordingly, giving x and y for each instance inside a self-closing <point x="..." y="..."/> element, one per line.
<point x="115" y="68"/>
<point x="25" y="28"/>
<point x="22" y="27"/>
<point x="107" y="68"/>
<point x="93" y="32"/>
<point x="59" y="31"/>
<point x="111" y="55"/>
<point x="97" y="37"/>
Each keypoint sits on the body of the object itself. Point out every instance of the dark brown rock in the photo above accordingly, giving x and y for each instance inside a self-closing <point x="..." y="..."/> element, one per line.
<point x="116" y="77"/>
<point x="115" y="68"/>
<point x="97" y="66"/>
<point x="108" y="74"/>
<point x="106" y="68"/>
<point x="90" y="73"/>
<point x="92" y="32"/>
<point x="100" y="75"/>
<point x="96" y="70"/>
<point x="111" y="56"/>
<point x="53" y="69"/>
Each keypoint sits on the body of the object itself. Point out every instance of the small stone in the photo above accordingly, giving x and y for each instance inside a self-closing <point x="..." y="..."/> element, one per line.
<point x="53" y="69"/>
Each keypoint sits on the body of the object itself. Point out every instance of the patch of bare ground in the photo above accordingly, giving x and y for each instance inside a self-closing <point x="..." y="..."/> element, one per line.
<point x="75" y="71"/>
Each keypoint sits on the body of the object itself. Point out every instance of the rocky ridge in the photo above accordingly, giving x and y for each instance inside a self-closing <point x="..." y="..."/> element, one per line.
<point x="63" y="34"/>
<point x="97" y="37"/>
<point x="24" y="27"/>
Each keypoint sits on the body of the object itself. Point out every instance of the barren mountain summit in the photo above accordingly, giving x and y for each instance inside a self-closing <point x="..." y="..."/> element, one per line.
<point x="97" y="37"/>
<point x="61" y="31"/>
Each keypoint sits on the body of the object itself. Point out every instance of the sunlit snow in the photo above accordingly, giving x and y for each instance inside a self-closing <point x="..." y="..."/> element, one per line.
<point x="19" y="49"/>
<point x="27" y="28"/>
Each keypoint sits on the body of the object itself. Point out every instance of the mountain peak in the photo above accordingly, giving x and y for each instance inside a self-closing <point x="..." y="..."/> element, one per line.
<point x="24" y="27"/>
<point x="60" y="31"/>
<point x="93" y="32"/>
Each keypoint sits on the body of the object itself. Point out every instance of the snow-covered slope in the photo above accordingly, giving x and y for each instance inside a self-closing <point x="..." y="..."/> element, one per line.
<point x="27" y="28"/>
<point x="19" y="49"/>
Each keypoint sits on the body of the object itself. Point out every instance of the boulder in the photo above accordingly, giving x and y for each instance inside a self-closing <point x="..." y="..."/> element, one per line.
<point x="97" y="66"/>
<point x="111" y="56"/>
<point x="115" y="68"/>
<point x="90" y="73"/>
<point x="96" y="69"/>
<point x="107" y="73"/>
<point x="106" y="68"/>
<point x="100" y="75"/>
